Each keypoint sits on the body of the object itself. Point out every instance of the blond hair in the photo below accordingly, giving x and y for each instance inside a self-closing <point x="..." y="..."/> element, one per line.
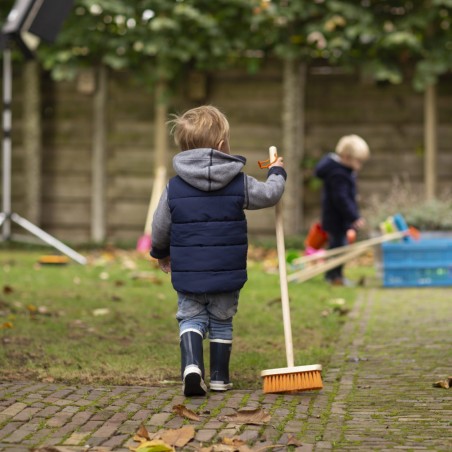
<point x="200" y="127"/>
<point x="353" y="146"/>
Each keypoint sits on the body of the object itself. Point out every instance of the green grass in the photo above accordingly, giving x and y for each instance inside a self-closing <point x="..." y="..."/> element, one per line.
<point x="57" y="336"/>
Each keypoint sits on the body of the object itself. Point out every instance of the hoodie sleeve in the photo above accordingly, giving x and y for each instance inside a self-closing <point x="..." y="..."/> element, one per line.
<point x="259" y="195"/>
<point x="161" y="228"/>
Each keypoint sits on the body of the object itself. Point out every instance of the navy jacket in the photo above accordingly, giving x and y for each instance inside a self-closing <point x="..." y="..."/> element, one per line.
<point x="200" y="221"/>
<point x="208" y="237"/>
<point x="339" y="206"/>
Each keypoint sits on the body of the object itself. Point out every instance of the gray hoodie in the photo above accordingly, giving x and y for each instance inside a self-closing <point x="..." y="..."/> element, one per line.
<point x="209" y="170"/>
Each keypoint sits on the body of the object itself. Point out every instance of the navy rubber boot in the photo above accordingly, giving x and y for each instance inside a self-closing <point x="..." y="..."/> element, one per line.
<point x="192" y="364"/>
<point x="220" y="353"/>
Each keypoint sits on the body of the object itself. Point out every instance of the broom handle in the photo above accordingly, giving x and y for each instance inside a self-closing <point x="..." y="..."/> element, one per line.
<point x="283" y="274"/>
<point x="157" y="189"/>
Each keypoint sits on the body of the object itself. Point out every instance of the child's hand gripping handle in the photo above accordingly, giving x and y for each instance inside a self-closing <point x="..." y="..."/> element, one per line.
<point x="283" y="272"/>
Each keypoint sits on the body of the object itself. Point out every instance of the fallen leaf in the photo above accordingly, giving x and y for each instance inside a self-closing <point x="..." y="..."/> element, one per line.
<point x="230" y="445"/>
<point x="77" y="323"/>
<point x="293" y="441"/>
<point x="6" y="325"/>
<point x="218" y="448"/>
<point x="155" y="445"/>
<point x="183" y="411"/>
<point x="48" y="380"/>
<point x="7" y="290"/>
<point x="142" y="432"/>
<point x="146" y="276"/>
<point x="341" y="311"/>
<point x="337" y="301"/>
<point x="445" y="384"/>
<point x="256" y="416"/>
<point x="129" y="264"/>
<point x="101" y="311"/>
<point x="179" y="437"/>
<point x="236" y="442"/>
<point x="44" y="311"/>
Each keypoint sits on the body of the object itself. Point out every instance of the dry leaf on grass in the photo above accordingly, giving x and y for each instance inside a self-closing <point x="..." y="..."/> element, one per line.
<point x="101" y="311"/>
<point x="146" y="276"/>
<point x="445" y="384"/>
<point x="7" y="289"/>
<point x="256" y="416"/>
<point x="183" y="411"/>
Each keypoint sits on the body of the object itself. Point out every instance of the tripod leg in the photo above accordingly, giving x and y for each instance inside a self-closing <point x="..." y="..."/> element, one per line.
<point x="45" y="237"/>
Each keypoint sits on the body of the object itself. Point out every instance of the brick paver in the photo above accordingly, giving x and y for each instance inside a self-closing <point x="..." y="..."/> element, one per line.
<point x="378" y="394"/>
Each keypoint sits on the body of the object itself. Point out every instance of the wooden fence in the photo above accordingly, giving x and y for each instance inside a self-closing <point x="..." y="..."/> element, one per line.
<point x="390" y="118"/>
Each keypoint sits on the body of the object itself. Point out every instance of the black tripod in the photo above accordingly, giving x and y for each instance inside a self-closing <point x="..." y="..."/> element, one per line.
<point x="7" y="216"/>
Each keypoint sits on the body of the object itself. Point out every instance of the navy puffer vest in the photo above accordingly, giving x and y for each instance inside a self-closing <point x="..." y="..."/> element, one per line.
<point x="209" y="243"/>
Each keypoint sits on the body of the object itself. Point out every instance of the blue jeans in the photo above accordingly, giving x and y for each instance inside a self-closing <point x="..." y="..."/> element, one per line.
<point x="208" y="313"/>
<point x="335" y="241"/>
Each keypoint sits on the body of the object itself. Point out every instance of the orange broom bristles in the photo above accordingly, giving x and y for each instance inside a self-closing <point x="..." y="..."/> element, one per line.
<point x="292" y="379"/>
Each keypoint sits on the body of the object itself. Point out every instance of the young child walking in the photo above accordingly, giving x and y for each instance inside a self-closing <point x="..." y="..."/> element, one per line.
<point x="340" y="210"/>
<point x="199" y="234"/>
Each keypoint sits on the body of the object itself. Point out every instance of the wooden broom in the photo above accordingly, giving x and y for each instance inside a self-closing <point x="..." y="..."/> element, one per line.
<point x="144" y="242"/>
<point x="290" y="378"/>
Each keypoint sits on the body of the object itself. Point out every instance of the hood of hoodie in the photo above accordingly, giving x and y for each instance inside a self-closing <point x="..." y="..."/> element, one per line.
<point x="329" y="165"/>
<point x="207" y="169"/>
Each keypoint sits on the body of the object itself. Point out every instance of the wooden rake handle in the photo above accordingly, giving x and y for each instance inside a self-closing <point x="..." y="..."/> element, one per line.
<point x="345" y="249"/>
<point x="347" y="253"/>
<point x="283" y="274"/>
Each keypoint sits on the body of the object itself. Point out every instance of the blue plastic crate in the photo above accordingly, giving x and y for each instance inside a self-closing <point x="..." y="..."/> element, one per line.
<point x="427" y="262"/>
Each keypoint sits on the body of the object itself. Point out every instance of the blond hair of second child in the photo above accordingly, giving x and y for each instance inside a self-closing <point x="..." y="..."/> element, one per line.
<point x="199" y="234"/>
<point x="340" y="211"/>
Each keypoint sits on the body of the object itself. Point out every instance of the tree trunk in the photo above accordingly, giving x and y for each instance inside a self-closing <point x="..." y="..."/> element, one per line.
<point x="32" y="139"/>
<point x="430" y="143"/>
<point x="99" y="157"/>
<point x="293" y="120"/>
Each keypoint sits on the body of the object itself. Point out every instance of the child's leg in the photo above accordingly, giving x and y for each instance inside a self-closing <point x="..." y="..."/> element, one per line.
<point x="220" y="353"/>
<point x="193" y="322"/>
<point x="222" y="308"/>
<point x="335" y="241"/>
<point x="192" y="363"/>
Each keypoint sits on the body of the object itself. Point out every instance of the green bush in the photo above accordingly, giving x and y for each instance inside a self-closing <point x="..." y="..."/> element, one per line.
<point x="426" y="215"/>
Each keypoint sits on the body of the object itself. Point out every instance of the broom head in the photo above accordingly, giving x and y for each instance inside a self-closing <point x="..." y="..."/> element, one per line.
<point x="292" y="379"/>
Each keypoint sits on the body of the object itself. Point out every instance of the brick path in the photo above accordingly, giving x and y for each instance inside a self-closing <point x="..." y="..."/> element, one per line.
<point x="378" y="394"/>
